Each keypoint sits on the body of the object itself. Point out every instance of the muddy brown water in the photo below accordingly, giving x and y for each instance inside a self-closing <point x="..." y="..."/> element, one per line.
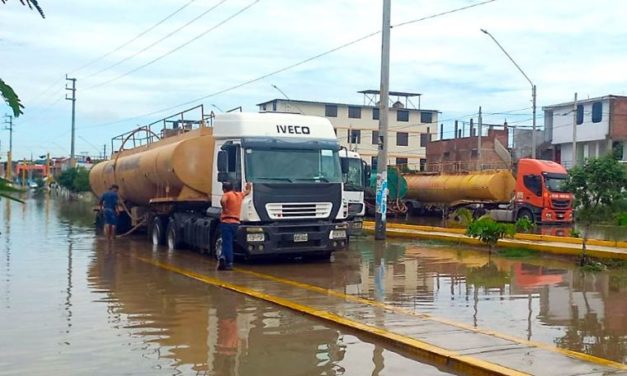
<point x="72" y="304"/>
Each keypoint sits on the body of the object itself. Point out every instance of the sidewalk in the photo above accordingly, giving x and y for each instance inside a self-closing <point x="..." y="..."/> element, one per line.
<point x="540" y="243"/>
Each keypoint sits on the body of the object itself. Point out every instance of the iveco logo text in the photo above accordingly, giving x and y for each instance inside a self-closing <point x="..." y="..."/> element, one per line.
<point x="292" y="129"/>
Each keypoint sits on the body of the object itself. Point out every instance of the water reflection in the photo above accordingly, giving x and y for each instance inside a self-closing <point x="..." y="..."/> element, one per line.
<point x="537" y="298"/>
<point x="206" y="328"/>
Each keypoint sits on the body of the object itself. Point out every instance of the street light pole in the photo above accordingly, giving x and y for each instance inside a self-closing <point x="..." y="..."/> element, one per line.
<point x="533" y="93"/>
<point x="382" y="157"/>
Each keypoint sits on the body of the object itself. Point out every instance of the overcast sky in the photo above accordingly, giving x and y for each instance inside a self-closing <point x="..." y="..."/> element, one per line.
<point x="564" y="46"/>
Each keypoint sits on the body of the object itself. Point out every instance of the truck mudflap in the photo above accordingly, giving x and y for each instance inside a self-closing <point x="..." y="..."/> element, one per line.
<point x="291" y="239"/>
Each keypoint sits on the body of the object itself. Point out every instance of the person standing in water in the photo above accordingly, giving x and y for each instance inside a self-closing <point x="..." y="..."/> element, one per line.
<point x="109" y="207"/>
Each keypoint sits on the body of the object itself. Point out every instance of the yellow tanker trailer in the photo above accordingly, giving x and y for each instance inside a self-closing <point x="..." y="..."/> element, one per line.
<point x="172" y="183"/>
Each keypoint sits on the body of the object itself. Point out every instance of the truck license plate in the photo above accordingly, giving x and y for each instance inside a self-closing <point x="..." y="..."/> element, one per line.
<point x="301" y="238"/>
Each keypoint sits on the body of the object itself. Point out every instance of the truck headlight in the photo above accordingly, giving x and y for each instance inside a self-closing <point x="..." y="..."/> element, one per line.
<point x="255" y="237"/>
<point x="337" y="234"/>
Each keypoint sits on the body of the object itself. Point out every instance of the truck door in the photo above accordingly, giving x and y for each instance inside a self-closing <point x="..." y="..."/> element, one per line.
<point x="532" y="194"/>
<point x="234" y="164"/>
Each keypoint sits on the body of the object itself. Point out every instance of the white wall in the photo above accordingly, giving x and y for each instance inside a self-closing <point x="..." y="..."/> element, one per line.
<point x="587" y="131"/>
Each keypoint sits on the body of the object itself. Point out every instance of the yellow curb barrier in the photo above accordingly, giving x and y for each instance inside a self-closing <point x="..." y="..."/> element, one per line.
<point x="529" y="237"/>
<point x="424" y="316"/>
<point x="409" y="232"/>
<point x="464" y="364"/>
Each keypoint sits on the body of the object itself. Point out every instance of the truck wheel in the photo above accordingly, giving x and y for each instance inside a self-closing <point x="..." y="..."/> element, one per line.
<point x="173" y="238"/>
<point x="157" y="233"/>
<point x="525" y="213"/>
<point x="216" y="247"/>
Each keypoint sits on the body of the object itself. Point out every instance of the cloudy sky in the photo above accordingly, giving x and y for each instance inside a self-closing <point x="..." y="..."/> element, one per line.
<point x="212" y="45"/>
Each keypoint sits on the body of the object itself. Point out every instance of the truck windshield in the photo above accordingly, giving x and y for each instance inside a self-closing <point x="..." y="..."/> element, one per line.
<point x="293" y="165"/>
<point x="555" y="183"/>
<point x="354" y="180"/>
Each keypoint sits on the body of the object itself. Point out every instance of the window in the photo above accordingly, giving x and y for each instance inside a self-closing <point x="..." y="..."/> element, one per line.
<point x="375" y="137"/>
<point x="423" y="164"/>
<point x="354" y="136"/>
<point x="424" y="139"/>
<point x="401" y="162"/>
<point x="426" y="117"/>
<point x="402" y="139"/>
<point x="375" y="114"/>
<point x="402" y="115"/>
<point x="373" y="163"/>
<point x="274" y="106"/>
<point x="533" y="183"/>
<point x="330" y="110"/>
<point x="597" y="112"/>
<point x="354" y="112"/>
<point x="579" y="114"/>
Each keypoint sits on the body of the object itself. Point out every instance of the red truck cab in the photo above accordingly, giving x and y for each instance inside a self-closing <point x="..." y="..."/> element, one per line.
<point x="539" y="195"/>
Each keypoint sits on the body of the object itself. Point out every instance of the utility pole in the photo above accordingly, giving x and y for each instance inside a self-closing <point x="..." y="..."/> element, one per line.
<point x="574" y="157"/>
<point x="533" y="92"/>
<point x="479" y="141"/>
<point x="9" y="172"/>
<point x="104" y="151"/>
<point x="72" y="98"/>
<point x="382" y="157"/>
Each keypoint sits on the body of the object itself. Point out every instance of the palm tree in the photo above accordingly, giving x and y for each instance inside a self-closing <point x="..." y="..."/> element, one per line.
<point x="7" y="93"/>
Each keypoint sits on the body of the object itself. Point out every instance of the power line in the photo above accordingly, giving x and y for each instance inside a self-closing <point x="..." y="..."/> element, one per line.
<point x="286" y="68"/>
<point x="151" y="45"/>
<point x="151" y="28"/>
<point x="244" y="9"/>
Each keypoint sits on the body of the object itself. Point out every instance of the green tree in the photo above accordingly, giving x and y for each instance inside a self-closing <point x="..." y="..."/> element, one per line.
<point x="74" y="179"/>
<point x="598" y="185"/>
<point x="8" y="94"/>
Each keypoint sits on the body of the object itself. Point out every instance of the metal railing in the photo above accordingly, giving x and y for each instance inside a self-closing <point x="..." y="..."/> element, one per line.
<point x="181" y="122"/>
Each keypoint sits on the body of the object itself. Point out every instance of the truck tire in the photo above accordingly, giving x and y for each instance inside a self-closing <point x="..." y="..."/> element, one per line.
<point x="157" y="232"/>
<point x="525" y="213"/>
<point x="173" y="237"/>
<point x="216" y="246"/>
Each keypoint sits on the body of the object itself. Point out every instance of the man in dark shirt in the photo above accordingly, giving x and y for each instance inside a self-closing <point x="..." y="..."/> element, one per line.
<point x="109" y="207"/>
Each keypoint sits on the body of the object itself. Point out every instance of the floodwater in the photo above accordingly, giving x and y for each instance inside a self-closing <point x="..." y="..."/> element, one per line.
<point x="601" y="232"/>
<point x="71" y="304"/>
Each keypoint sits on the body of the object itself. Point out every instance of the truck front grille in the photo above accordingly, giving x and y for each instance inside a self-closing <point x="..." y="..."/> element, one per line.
<point x="301" y="210"/>
<point x="561" y="204"/>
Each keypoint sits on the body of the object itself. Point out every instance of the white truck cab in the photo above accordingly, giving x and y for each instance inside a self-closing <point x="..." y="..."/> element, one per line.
<point x="356" y="176"/>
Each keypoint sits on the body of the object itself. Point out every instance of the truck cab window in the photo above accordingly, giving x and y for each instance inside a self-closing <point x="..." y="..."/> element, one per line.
<point x="533" y="183"/>
<point x="234" y="164"/>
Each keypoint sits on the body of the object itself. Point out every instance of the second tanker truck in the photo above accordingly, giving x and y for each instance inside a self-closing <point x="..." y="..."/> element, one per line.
<point x="535" y="193"/>
<point x="171" y="183"/>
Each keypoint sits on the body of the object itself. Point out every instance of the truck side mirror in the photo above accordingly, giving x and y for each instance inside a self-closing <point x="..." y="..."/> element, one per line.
<point x="223" y="159"/>
<point x="344" y="165"/>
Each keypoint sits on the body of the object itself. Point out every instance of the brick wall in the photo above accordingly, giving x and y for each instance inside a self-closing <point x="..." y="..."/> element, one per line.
<point x="618" y="126"/>
<point x="461" y="153"/>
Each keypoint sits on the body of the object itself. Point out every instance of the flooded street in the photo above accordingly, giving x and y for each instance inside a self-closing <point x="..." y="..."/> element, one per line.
<point x="70" y="303"/>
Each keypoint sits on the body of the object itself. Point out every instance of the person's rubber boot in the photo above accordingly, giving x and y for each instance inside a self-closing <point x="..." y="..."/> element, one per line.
<point x="221" y="264"/>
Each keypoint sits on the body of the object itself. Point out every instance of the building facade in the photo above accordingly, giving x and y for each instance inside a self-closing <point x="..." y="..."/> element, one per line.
<point x="461" y="153"/>
<point x="601" y="125"/>
<point x="409" y="130"/>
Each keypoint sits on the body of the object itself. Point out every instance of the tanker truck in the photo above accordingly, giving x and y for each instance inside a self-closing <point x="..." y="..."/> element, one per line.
<point x="356" y="180"/>
<point x="536" y="193"/>
<point x="171" y="184"/>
